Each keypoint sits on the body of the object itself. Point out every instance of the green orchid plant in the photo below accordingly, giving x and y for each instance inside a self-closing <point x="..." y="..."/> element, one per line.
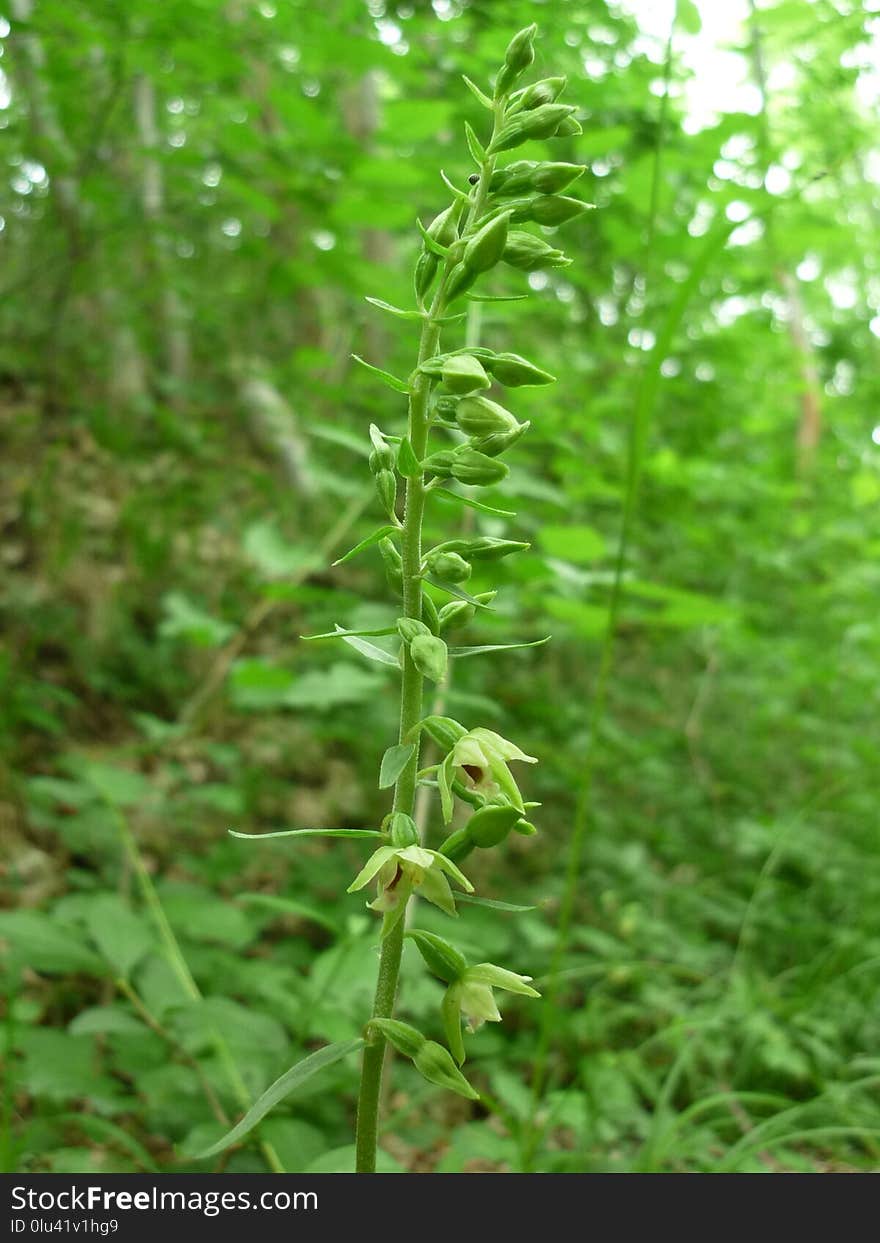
<point x="455" y="435"/>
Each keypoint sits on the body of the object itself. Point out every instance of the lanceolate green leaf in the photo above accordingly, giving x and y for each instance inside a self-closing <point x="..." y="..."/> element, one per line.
<point x="386" y="377"/>
<point x="431" y="243"/>
<point x="378" y="654"/>
<point x="339" y="633"/>
<point x="453" y="590"/>
<point x="495" y="647"/>
<point x="476" y="92"/>
<point x="469" y="501"/>
<point x="259" y="837"/>
<point x="493" y="904"/>
<point x="476" y="148"/>
<point x="407" y="462"/>
<point x="395" y="310"/>
<point x="491" y="297"/>
<point x="459" y="194"/>
<point x="281" y="1089"/>
<point x="365" y="543"/>
<point x="394" y="761"/>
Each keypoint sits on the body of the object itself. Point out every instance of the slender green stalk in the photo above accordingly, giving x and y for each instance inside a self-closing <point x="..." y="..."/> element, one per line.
<point x="410" y="714"/>
<point x="411" y="691"/>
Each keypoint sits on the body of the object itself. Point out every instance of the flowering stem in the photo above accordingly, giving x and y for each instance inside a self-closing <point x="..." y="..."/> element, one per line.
<point x="410" y="714"/>
<point x="411" y="686"/>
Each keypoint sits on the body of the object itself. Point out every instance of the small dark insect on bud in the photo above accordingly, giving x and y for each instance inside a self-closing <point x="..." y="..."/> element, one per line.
<point x="473" y="179"/>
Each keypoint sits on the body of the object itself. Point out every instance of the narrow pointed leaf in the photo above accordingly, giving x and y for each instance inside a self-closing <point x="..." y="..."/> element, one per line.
<point x="460" y="195"/>
<point x="476" y="92"/>
<point x="378" y="654"/>
<point x="343" y="634"/>
<point x="472" y="504"/>
<point x="493" y="904"/>
<point x="452" y="590"/>
<point x="431" y="243"/>
<point x="394" y="761"/>
<point x="495" y="647"/>
<point x="394" y="310"/>
<point x="392" y="381"/>
<point x="407" y="462"/>
<point x="365" y="543"/>
<point x="476" y="148"/>
<point x="281" y="1088"/>
<point x="450" y="319"/>
<point x="444" y="783"/>
<point x="259" y="837"/>
<point x="491" y="297"/>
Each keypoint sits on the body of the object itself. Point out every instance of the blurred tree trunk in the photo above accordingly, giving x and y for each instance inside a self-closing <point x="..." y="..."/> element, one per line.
<point x="360" y="109"/>
<point x="170" y="310"/>
<point x="271" y="419"/>
<point x="126" y="382"/>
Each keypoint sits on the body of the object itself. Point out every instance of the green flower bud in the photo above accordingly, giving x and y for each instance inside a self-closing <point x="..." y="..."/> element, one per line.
<point x="550" y="178"/>
<point x="530" y="253"/>
<point x="516" y="178"/>
<point x="383" y="455"/>
<point x="429" y="655"/>
<point x="477" y="469"/>
<point x="547" y="91"/>
<point x="430" y="614"/>
<point x="405" y="1039"/>
<point x="437" y="1066"/>
<point x="455" y="613"/>
<point x="393" y="563"/>
<point x="519" y="55"/>
<point x="569" y="128"/>
<point x="555" y="209"/>
<point x="443" y="730"/>
<point x="541" y="122"/>
<point x="478" y="416"/>
<point x="386" y="487"/>
<point x="449" y="566"/>
<point x="439" y="463"/>
<point x="440" y="957"/>
<point x="402" y="830"/>
<point x="500" y="442"/>
<point x="529" y="177"/>
<point x="444" y="228"/>
<point x="426" y="269"/>
<point x="459" y="281"/>
<point x="409" y="627"/>
<point x="457" y="846"/>
<point x="525" y="828"/>
<point x="515" y="372"/>
<point x="491" y="825"/>
<point x="483" y="547"/>
<point x="486" y="247"/>
<point x="462" y="373"/>
<point x="445" y="406"/>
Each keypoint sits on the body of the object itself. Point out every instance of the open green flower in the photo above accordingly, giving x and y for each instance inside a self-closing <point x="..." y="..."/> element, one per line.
<point x="479" y="759"/>
<point x="471" y="998"/>
<point x="400" y="870"/>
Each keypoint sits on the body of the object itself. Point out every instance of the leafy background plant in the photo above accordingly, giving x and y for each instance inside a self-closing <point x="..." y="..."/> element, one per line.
<point x="196" y="202"/>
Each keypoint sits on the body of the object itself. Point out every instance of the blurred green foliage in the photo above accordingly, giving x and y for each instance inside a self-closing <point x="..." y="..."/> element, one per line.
<point x="196" y="200"/>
